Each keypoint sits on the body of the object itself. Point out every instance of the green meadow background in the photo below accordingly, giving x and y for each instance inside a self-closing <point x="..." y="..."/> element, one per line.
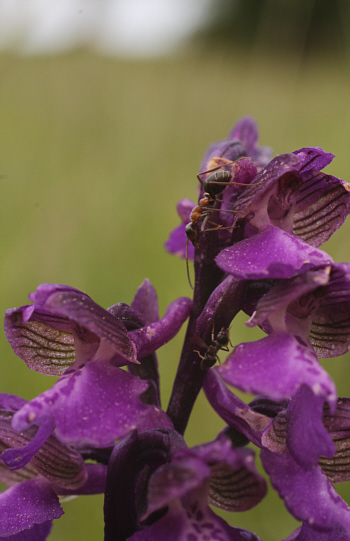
<point x="96" y="151"/>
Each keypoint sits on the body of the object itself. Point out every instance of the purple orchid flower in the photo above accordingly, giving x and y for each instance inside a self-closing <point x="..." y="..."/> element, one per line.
<point x="289" y="193"/>
<point x="65" y="332"/>
<point x="37" y="467"/>
<point x="298" y="314"/>
<point x="184" y="482"/>
<point x="303" y="448"/>
<point x="276" y="273"/>
<point x="287" y="196"/>
<point x="254" y="237"/>
<point x="241" y="141"/>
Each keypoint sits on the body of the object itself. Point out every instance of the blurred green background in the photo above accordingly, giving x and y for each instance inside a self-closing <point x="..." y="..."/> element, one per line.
<point x="95" y="154"/>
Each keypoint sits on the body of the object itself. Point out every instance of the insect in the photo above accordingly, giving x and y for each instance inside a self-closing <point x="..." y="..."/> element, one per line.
<point x="221" y="342"/>
<point x="213" y="185"/>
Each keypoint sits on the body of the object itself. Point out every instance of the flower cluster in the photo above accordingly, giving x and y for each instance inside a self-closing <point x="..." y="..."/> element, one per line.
<point x="254" y="237"/>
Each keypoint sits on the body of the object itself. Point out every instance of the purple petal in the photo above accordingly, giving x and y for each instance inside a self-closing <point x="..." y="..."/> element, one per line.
<point x="184" y="209"/>
<point x="95" y="483"/>
<point x="262" y="156"/>
<point x="236" y="490"/>
<point x="64" y="325"/>
<point x="330" y="332"/>
<point x="147" y="368"/>
<point x="246" y="131"/>
<point x="29" y="503"/>
<point x="96" y="405"/>
<point x="155" y="419"/>
<point x="175" y="480"/>
<point x="12" y="478"/>
<point x="241" y="141"/>
<point x="229" y="149"/>
<point x="322" y="204"/>
<point x="10" y="402"/>
<point x="38" y="532"/>
<point x="309" y="533"/>
<point x="276" y="366"/>
<point x="235" y="484"/>
<point x="124" y="482"/>
<point x="131" y="318"/>
<point x="338" y="423"/>
<point x="273" y="253"/>
<point x="18" y="458"/>
<point x="193" y="523"/>
<point x="278" y="176"/>
<point x="337" y="468"/>
<point x="149" y="339"/>
<point x="307" y="437"/>
<point x="287" y="291"/>
<point x="146" y="302"/>
<point x="232" y="410"/>
<point x="55" y="461"/>
<point x="177" y="241"/>
<point x="313" y="158"/>
<point x="274" y="437"/>
<point x="45" y="343"/>
<point x="307" y="493"/>
<point x="243" y="174"/>
<point x="89" y="315"/>
<point x="44" y="291"/>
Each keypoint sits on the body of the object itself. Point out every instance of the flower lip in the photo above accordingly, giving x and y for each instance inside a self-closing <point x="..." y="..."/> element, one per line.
<point x="35" y="503"/>
<point x="272" y="253"/>
<point x="97" y="405"/>
<point x="307" y="493"/>
<point x="276" y="366"/>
